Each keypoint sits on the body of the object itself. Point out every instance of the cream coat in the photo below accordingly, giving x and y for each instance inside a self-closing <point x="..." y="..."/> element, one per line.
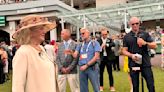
<point x="33" y="72"/>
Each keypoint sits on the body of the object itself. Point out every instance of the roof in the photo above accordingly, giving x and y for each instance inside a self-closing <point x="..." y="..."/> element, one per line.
<point x="113" y="17"/>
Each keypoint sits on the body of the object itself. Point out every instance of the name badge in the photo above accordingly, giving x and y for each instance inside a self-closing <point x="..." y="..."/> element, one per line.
<point x="83" y="56"/>
<point x="136" y="68"/>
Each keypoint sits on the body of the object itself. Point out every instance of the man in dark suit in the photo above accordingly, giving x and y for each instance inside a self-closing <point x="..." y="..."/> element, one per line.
<point x="107" y="57"/>
<point x="67" y="64"/>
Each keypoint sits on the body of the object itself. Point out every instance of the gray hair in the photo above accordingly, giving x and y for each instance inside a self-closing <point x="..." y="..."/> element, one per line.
<point x="86" y="29"/>
<point x="67" y="30"/>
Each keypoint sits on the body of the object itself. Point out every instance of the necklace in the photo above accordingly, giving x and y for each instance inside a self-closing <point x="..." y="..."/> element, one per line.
<point x="40" y="51"/>
<point x="37" y="47"/>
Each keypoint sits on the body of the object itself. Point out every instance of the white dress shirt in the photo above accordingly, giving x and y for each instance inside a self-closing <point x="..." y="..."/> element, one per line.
<point x="104" y="42"/>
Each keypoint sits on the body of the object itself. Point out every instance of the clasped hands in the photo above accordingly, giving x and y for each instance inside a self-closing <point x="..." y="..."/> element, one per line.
<point x="65" y="70"/>
<point x="141" y="42"/>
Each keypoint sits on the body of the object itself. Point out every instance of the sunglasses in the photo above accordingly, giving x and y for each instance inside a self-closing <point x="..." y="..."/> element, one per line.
<point x="82" y="33"/>
<point x="104" y="34"/>
<point x="135" y="24"/>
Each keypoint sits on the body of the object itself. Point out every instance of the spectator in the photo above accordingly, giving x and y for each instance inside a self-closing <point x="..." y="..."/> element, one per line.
<point x="2" y="75"/>
<point x="55" y="44"/>
<point x="33" y="71"/>
<point x="107" y="58"/>
<point x="50" y="51"/>
<point x="135" y="46"/>
<point x="67" y="64"/>
<point x="88" y="57"/>
<point x="117" y="48"/>
<point x="4" y="58"/>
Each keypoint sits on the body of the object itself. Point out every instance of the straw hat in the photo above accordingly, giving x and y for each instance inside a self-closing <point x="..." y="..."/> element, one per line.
<point x="32" y="21"/>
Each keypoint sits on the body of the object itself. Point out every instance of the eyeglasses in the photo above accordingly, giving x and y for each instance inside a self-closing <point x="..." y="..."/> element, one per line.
<point x="82" y="33"/>
<point x="135" y="24"/>
<point x="104" y="34"/>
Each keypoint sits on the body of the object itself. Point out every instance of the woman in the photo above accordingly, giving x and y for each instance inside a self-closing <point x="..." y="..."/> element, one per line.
<point x="2" y="64"/>
<point x="33" y="70"/>
<point x="4" y="58"/>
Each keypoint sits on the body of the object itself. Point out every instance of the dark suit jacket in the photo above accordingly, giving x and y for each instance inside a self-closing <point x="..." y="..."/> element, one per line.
<point x="66" y="61"/>
<point x="109" y="45"/>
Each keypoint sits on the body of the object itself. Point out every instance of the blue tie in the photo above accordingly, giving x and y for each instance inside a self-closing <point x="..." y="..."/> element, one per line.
<point x="66" y="45"/>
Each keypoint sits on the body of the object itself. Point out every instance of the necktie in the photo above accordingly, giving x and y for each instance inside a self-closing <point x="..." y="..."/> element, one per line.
<point x="66" y="45"/>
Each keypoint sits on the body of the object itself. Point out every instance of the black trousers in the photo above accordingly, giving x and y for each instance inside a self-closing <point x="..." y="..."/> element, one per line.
<point x="147" y="75"/>
<point x="108" y="64"/>
<point x="116" y="64"/>
<point x="2" y="75"/>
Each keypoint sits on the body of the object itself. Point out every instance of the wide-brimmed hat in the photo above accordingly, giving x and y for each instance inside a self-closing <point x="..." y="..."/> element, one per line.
<point x="32" y="21"/>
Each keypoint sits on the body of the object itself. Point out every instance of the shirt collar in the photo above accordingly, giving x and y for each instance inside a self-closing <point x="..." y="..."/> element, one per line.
<point x="69" y="41"/>
<point x="133" y="33"/>
<point x="103" y="38"/>
<point x="87" y="41"/>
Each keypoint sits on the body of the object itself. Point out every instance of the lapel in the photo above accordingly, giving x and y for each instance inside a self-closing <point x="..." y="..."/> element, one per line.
<point x="101" y="41"/>
<point x="70" y="45"/>
<point x="62" y="48"/>
<point x="46" y="55"/>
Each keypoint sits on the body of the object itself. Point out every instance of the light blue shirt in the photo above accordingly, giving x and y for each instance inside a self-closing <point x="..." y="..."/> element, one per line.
<point x="67" y="43"/>
<point x="88" y="48"/>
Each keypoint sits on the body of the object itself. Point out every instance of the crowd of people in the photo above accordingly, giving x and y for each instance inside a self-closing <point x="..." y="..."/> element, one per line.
<point x="7" y="52"/>
<point x="46" y="66"/>
<point x="155" y="34"/>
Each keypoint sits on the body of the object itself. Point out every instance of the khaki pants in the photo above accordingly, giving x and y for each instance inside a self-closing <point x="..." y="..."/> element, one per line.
<point x="73" y="81"/>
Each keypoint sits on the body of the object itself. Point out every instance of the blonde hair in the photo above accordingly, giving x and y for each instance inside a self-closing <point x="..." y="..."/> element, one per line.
<point x="102" y="29"/>
<point x="23" y="37"/>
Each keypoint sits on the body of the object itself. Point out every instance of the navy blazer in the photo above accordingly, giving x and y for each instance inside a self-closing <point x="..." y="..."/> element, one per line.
<point x="109" y="45"/>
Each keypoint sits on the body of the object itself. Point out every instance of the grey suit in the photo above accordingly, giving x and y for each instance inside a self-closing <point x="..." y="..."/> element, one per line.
<point x="68" y="60"/>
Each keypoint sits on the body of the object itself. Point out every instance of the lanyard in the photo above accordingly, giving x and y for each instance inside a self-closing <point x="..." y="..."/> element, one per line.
<point x="82" y="47"/>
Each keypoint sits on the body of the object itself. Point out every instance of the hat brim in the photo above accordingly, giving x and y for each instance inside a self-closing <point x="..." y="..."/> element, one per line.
<point x="48" y="26"/>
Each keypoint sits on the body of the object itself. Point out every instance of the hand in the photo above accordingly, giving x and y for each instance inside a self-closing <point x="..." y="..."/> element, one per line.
<point x="1" y="52"/>
<point x="103" y="46"/>
<point x="140" y="42"/>
<point x="83" y="68"/>
<point x="68" y="70"/>
<point x="63" y="70"/>
<point x="134" y="57"/>
<point x="68" y="51"/>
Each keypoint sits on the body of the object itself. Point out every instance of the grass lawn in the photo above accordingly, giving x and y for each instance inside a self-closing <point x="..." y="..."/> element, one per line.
<point x="120" y="81"/>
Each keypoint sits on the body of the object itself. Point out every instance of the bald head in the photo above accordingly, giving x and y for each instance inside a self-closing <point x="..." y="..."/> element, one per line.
<point x="65" y="34"/>
<point x="134" y="23"/>
<point x="134" y="19"/>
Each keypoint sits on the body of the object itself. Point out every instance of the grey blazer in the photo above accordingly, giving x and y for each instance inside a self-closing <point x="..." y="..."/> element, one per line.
<point x="66" y="61"/>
